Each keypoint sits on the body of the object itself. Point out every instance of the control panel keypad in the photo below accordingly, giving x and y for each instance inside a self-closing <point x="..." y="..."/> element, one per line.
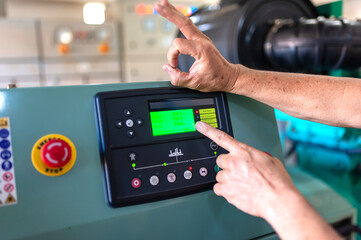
<point x="124" y="119"/>
<point x="144" y="159"/>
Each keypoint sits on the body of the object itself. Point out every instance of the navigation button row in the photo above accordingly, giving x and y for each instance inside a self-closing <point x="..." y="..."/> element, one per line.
<point x="171" y="177"/>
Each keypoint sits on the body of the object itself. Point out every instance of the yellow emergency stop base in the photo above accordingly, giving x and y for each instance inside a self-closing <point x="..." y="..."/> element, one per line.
<point x="41" y="166"/>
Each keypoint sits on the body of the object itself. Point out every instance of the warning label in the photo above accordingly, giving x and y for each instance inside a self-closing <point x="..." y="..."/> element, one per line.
<point x="8" y="194"/>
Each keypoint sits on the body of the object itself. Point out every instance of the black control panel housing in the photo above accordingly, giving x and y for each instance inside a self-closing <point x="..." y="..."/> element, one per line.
<point x="140" y="166"/>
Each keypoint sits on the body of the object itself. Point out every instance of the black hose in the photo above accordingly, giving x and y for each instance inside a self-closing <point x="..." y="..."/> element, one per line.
<point x="314" y="44"/>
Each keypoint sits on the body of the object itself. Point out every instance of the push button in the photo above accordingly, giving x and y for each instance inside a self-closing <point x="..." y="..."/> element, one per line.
<point x="56" y="153"/>
<point x="53" y="155"/>
<point x="217" y="169"/>
<point x="129" y="123"/>
<point x="136" y="183"/>
<point x="203" y="171"/>
<point x="118" y="124"/>
<point x="154" y="180"/>
<point x="131" y="133"/>
<point x="139" y="122"/>
<point x="187" y="174"/>
<point x="127" y="112"/>
<point x="171" y="177"/>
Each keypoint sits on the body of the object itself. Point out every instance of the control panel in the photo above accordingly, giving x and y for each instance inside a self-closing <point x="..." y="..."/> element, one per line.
<point x="149" y="145"/>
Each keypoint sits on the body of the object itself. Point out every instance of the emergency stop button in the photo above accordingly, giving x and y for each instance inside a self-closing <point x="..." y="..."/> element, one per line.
<point x="56" y="153"/>
<point x="53" y="155"/>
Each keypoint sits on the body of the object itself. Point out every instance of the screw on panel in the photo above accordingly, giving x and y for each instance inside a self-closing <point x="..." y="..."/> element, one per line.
<point x="11" y="85"/>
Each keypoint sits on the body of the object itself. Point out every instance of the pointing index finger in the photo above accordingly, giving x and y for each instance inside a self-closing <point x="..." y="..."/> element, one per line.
<point x="184" y="24"/>
<point x="221" y="138"/>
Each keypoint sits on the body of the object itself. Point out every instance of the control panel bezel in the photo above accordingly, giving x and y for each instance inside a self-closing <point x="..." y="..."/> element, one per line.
<point x="115" y="144"/>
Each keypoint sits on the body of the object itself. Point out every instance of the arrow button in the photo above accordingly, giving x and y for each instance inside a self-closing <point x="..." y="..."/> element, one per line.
<point x="131" y="133"/>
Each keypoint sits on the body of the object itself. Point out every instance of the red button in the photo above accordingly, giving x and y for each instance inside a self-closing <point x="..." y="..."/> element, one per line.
<point x="56" y="153"/>
<point x="136" y="183"/>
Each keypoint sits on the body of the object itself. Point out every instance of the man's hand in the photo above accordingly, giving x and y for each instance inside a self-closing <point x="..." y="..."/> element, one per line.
<point x="210" y="71"/>
<point x="250" y="179"/>
<point x="258" y="184"/>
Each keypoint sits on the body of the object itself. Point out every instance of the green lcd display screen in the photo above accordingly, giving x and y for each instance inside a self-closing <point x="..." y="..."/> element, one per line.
<point x="172" y="122"/>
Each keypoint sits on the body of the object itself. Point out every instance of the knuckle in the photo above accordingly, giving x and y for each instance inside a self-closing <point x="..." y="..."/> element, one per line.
<point x="188" y="22"/>
<point x="176" y="42"/>
<point x="174" y="80"/>
<point x="220" y="136"/>
<point x="219" y="177"/>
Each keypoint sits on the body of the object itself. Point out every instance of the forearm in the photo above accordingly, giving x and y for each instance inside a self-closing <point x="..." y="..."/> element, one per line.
<point x="293" y="218"/>
<point x="330" y="100"/>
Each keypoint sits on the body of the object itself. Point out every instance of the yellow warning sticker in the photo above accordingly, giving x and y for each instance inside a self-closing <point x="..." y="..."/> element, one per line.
<point x="8" y="193"/>
<point x="10" y="199"/>
<point x="4" y="122"/>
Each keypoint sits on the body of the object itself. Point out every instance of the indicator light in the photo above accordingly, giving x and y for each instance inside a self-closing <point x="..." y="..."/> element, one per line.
<point x="190" y="168"/>
<point x="140" y="9"/>
<point x="165" y="164"/>
<point x="133" y="165"/>
<point x="215" y="153"/>
<point x="197" y="111"/>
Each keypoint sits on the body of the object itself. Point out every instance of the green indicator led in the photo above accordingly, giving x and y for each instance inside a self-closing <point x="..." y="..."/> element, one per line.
<point x="164" y="164"/>
<point x="172" y="122"/>
<point x="133" y="165"/>
<point x="215" y="153"/>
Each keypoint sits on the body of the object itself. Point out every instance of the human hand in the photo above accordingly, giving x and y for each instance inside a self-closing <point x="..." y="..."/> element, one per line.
<point x="210" y="71"/>
<point x="250" y="179"/>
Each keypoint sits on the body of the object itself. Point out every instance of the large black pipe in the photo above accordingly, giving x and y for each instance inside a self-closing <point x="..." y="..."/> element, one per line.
<point x="275" y="35"/>
<point x="314" y="44"/>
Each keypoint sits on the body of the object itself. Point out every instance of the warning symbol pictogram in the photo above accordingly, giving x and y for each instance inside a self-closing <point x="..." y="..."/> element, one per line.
<point x="10" y="199"/>
<point x="8" y="176"/>
<point x="9" y="187"/>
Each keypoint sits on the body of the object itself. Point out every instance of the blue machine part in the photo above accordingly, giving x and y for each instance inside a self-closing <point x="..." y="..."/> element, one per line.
<point x="338" y="138"/>
<point x="309" y="156"/>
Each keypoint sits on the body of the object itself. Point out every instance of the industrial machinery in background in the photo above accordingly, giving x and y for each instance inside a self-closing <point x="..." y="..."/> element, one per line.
<point x="51" y="53"/>
<point x="291" y="36"/>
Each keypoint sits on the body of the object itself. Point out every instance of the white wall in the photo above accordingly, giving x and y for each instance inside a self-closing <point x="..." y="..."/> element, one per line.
<point x="54" y="10"/>
<point x="352" y="9"/>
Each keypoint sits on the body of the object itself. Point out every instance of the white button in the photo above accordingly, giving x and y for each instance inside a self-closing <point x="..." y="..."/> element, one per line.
<point x="187" y="174"/>
<point x="154" y="180"/>
<point x="129" y="123"/>
<point x="203" y="171"/>
<point x="171" y="177"/>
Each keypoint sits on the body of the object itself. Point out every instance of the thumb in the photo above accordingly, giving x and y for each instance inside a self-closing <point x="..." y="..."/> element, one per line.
<point x="178" y="78"/>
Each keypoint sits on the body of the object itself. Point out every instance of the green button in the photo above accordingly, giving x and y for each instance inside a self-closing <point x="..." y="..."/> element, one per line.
<point x="217" y="169"/>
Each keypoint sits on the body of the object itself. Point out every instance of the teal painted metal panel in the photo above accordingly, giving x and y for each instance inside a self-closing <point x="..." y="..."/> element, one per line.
<point x="73" y="206"/>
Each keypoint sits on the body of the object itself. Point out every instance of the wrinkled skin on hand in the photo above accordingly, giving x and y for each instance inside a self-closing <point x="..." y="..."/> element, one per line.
<point x="210" y="71"/>
<point x="250" y="179"/>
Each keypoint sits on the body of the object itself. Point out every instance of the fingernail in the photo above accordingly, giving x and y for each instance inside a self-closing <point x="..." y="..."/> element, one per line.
<point x="199" y="126"/>
<point x="165" y="68"/>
